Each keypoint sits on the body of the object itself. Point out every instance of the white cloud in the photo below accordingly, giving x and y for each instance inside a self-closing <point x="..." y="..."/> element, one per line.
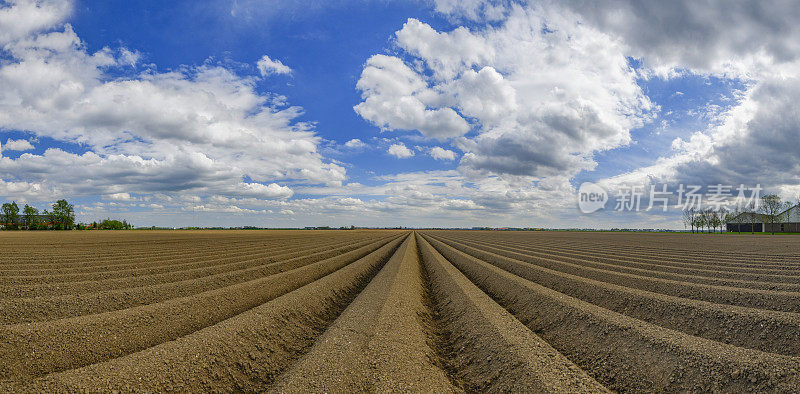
<point x="473" y="9"/>
<point x="756" y="42"/>
<point x="17" y="145"/>
<point x="20" y="18"/>
<point x="128" y="57"/>
<point x="529" y="99"/>
<point x="267" y="67"/>
<point x="753" y="42"/>
<point x="271" y="191"/>
<point x="120" y="197"/>
<point x="754" y="143"/>
<point x="400" y="151"/>
<point x="191" y="131"/>
<point x="741" y="38"/>
<point x="548" y="94"/>
<point x="396" y="97"/>
<point x="355" y="143"/>
<point x="440" y="153"/>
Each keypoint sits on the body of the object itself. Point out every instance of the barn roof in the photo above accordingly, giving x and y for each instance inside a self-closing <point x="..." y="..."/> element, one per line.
<point x="744" y="217"/>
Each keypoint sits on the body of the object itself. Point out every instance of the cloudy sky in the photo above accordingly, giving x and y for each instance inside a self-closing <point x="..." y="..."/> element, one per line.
<point x="385" y="113"/>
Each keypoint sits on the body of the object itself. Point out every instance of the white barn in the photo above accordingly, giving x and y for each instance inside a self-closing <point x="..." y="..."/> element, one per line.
<point x="788" y="222"/>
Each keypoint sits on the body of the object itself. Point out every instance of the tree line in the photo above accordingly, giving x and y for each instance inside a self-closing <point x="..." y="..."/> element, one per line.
<point x="771" y="208"/>
<point x="61" y="217"/>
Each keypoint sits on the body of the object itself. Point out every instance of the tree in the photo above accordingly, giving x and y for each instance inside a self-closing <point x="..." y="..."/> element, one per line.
<point x="751" y="215"/>
<point x="783" y="217"/>
<point x="702" y="220"/>
<point x="688" y="218"/>
<point x="697" y="220"/>
<point x="786" y="215"/>
<point x="736" y="215"/>
<point x="114" y="224"/>
<point x="723" y="216"/>
<point x="64" y="214"/>
<point x="713" y="220"/>
<point x="771" y="207"/>
<point x="50" y="219"/>
<point x="10" y="214"/>
<point x="30" y="216"/>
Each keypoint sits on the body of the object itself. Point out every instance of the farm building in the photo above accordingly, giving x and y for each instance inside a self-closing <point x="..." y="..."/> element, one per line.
<point x="788" y="222"/>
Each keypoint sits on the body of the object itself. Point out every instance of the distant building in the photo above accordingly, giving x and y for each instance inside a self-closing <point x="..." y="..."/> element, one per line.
<point x="759" y="223"/>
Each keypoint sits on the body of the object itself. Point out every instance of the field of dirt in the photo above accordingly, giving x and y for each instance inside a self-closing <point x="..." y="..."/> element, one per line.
<point x="391" y="310"/>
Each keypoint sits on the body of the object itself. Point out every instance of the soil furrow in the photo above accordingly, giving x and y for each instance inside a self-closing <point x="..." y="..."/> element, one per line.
<point x="635" y="261"/>
<point x="708" y="277"/>
<point x="769" y="331"/>
<point x="753" y="298"/>
<point x="666" y="259"/>
<point x="378" y="343"/>
<point x="696" y="257"/>
<point x="35" y="349"/>
<point x="628" y="354"/>
<point x="25" y="310"/>
<point x="494" y="351"/>
<point x="126" y="251"/>
<point x="151" y="267"/>
<point x="244" y="353"/>
<point x="170" y="276"/>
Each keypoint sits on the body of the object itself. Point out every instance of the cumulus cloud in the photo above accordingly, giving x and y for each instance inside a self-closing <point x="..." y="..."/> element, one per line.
<point x="20" y="18"/>
<point x="440" y="153"/>
<point x="400" y="151"/>
<point x="543" y="92"/>
<point x="17" y="145"/>
<point x="530" y="92"/>
<point x="193" y="130"/>
<point x="355" y="143"/>
<point x="754" y="143"/>
<point x="757" y="42"/>
<point x="396" y="97"/>
<point x="739" y="38"/>
<point x="551" y="85"/>
<point x="476" y="10"/>
<point x="126" y="197"/>
<point x="267" y="67"/>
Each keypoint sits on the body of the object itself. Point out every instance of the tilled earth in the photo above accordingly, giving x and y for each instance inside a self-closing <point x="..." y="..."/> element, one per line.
<point x="378" y="311"/>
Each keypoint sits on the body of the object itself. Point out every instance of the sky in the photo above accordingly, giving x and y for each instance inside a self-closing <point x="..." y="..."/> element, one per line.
<point x="411" y="113"/>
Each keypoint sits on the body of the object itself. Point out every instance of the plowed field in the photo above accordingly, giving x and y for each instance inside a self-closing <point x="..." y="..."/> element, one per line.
<point x="412" y="311"/>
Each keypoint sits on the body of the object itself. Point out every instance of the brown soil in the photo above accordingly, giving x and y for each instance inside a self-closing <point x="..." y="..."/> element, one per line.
<point x="378" y="311"/>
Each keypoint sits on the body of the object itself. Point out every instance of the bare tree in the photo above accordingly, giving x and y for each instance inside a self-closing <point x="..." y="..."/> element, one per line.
<point x="696" y="220"/>
<point x="734" y="217"/>
<point x="785" y="217"/>
<point x="771" y="207"/>
<point x="713" y="219"/>
<point x="723" y="216"/>
<point x="688" y="219"/>
<point x="752" y="216"/>
<point x="702" y="220"/>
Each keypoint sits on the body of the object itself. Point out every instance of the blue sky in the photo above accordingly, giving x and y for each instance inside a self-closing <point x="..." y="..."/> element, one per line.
<point x="383" y="113"/>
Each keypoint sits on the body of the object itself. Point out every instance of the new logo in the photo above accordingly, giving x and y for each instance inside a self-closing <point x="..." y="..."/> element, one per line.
<point x="591" y="197"/>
